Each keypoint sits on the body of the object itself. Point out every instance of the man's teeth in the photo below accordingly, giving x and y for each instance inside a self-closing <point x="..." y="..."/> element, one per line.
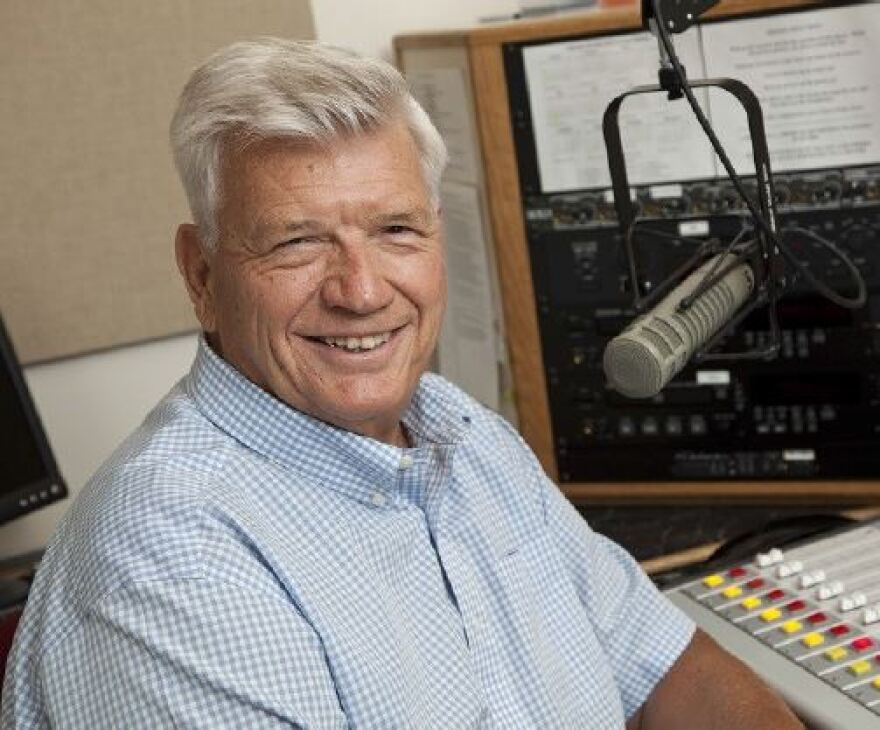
<point x="356" y="344"/>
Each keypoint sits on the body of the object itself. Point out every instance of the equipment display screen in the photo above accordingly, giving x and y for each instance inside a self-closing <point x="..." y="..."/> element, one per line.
<point x="801" y="312"/>
<point x="794" y="389"/>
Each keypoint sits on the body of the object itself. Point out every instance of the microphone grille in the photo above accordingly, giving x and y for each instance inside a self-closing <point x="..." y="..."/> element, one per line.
<point x="632" y="369"/>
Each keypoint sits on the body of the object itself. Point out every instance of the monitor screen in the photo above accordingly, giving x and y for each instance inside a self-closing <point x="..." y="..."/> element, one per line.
<point x="813" y="70"/>
<point x="29" y="477"/>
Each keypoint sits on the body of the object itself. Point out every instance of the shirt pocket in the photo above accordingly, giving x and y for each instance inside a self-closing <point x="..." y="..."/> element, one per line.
<point x="537" y="590"/>
<point x="569" y="671"/>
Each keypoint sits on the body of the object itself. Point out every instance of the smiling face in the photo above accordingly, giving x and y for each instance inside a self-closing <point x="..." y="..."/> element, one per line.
<point x="328" y="286"/>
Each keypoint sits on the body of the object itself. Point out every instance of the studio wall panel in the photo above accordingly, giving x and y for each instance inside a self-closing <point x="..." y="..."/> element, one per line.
<point x="89" y="200"/>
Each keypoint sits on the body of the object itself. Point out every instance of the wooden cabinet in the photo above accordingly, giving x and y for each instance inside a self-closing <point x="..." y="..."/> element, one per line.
<point x="479" y="54"/>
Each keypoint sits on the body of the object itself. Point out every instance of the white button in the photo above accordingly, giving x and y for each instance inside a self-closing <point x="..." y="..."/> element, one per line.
<point x="854" y="600"/>
<point x="834" y="588"/>
<point x="872" y="614"/>
<point x="811" y="579"/>
<point x="787" y="569"/>
<point x="406" y="461"/>
<point x="378" y="499"/>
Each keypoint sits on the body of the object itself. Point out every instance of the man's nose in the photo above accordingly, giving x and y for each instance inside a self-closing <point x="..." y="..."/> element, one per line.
<point x="356" y="281"/>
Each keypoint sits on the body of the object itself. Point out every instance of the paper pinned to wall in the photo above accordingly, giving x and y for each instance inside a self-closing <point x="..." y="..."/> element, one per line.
<point x="570" y="83"/>
<point x="816" y="77"/>
<point x="443" y="93"/>
<point x="467" y="353"/>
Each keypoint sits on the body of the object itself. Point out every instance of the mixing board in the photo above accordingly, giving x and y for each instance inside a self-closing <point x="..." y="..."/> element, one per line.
<point x="807" y="619"/>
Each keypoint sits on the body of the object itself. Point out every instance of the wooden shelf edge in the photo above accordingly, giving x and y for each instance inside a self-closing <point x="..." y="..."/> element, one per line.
<point x="727" y="492"/>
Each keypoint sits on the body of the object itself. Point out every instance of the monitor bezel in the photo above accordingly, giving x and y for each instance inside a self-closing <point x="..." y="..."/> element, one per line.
<point x="50" y="487"/>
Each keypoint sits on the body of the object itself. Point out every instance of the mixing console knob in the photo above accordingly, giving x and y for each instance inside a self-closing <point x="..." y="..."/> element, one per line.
<point x="829" y="192"/>
<point x="783" y="194"/>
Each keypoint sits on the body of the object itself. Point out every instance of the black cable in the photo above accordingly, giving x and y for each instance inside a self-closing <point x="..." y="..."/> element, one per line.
<point x="861" y="294"/>
<point x="820" y="286"/>
<point x="705" y="249"/>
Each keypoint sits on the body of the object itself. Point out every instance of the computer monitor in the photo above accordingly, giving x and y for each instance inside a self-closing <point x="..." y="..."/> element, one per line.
<point x="29" y="476"/>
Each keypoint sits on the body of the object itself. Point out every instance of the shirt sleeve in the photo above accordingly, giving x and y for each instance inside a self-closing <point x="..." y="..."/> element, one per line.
<point x="190" y="654"/>
<point x="641" y="631"/>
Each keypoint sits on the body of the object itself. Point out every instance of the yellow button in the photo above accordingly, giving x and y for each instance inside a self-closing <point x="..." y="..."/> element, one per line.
<point x="836" y="654"/>
<point x="792" y="627"/>
<point x="713" y="581"/>
<point x="751" y="602"/>
<point x="813" y="639"/>
<point x="860" y="668"/>
<point x="876" y="682"/>
<point x="732" y="592"/>
<point x="771" y="614"/>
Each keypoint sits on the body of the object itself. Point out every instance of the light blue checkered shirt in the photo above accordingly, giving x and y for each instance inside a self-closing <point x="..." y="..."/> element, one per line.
<point x="238" y="564"/>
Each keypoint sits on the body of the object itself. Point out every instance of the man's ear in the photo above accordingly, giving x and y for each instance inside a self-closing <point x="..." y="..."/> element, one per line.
<point x="194" y="264"/>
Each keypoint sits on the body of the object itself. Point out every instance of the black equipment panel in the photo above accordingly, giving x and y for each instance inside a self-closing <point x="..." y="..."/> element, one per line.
<point x="810" y="414"/>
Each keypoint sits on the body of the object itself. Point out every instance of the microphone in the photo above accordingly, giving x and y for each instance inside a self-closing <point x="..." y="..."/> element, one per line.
<point x="643" y="358"/>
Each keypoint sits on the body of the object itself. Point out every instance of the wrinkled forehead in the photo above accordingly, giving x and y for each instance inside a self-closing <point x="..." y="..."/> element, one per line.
<point x="373" y="172"/>
<point x="243" y="152"/>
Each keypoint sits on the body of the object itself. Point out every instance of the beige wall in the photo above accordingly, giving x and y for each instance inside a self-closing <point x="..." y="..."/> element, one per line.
<point x="88" y="193"/>
<point x="368" y="27"/>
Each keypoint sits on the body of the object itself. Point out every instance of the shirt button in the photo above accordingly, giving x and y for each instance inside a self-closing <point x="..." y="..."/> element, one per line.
<point x="406" y="461"/>
<point x="378" y="499"/>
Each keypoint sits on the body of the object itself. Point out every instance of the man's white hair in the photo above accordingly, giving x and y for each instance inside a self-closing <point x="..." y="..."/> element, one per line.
<point x="272" y="88"/>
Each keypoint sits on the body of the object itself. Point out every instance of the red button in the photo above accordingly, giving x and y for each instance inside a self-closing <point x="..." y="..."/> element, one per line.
<point x="736" y="572"/>
<point x="776" y="594"/>
<point x="797" y="605"/>
<point x="755" y="583"/>
<point x="839" y="630"/>
<point x="866" y="642"/>
<point x="817" y="618"/>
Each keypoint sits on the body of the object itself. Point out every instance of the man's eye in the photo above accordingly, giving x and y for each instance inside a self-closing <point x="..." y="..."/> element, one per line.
<point x="298" y="241"/>
<point x="398" y="230"/>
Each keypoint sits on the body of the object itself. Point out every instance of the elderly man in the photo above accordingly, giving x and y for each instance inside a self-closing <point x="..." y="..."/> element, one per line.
<point x="309" y="531"/>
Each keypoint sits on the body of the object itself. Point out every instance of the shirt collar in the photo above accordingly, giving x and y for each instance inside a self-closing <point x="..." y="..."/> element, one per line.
<point x="339" y="459"/>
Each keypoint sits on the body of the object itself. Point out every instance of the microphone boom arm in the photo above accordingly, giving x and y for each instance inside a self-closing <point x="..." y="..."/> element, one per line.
<point x="768" y="263"/>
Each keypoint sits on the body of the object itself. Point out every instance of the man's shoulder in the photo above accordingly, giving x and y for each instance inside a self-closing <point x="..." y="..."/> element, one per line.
<point x="175" y="431"/>
<point x="140" y="516"/>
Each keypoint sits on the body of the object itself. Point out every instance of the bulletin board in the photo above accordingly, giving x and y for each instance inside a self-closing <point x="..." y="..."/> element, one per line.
<point x="89" y="200"/>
